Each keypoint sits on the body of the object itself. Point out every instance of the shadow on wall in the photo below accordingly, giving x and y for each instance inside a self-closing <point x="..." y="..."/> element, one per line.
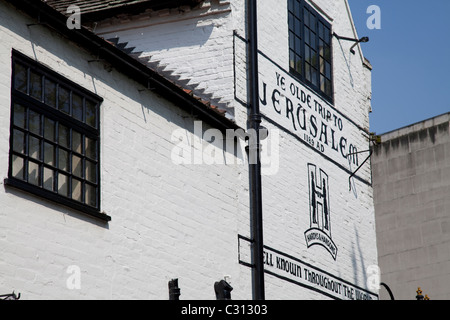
<point x="170" y="41"/>
<point x="358" y="258"/>
<point x="352" y="83"/>
<point x="56" y="207"/>
<point x="146" y="107"/>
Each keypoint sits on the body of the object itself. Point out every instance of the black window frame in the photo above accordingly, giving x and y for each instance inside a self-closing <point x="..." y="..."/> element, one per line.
<point x="319" y="31"/>
<point x="80" y="165"/>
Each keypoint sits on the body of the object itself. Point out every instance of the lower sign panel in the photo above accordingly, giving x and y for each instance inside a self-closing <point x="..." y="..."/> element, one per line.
<point x="293" y="270"/>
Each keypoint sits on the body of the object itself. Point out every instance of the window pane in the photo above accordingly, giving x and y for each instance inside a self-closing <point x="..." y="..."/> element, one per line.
<point x="77" y="107"/>
<point x="20" y="77"/>
<point x="306" y="17"/>
<point x="322" y="83"/>
<point x="48" y="179"/>
<point x="327" y="35"/>
<point x="308" y="71"/>
<point x="322" y="65"/>
<point x="298" y="64"/>
<point x="91" y="113"/>
<point x="17" y="167"/>
<point x="307" y="54"/>
<point x="35" y="85"/>
<point x="63" y="160"/>
<point x="91" y="148"/>
<point x="50" y="93"/>
<point x="77" y="166"/>
<point x="19" y="115"/>
<point x="33" y="173"/>
<point x="314" y="59"/>
<point x="34" y="148"/>
<point x="328" y="70"/>
<point x="64" y="100"/>
<point x="291" y="40"/>
<point x="314" y="76"/>
<point x="291" y="21"/>
<point x="327" y="53"/>
<point x="312" y="40"/>
<point x="292" y="59"/>
<point x="328" y="87"/>
<point x="297" y="9"/>
<point x="91" y="171"/>
<point x="298" y="45"/>
<point x="49" y="129"/>
<point x="76" y="142"/>
<point x="312" y="21"/>
<point x="63" y="136"/>
<point x="76" y="190"/>
<point x="307" y="33"/>
<point x="34" y="122"/>
<point x="321" y="27"/>
<point x="63" y="185"/>
<point x="297" y="29"/>
<point x="49" y="154"/>
<point x="91" y="197"/>
<point x="18" y="141"/>
<point x="291" y="5"/>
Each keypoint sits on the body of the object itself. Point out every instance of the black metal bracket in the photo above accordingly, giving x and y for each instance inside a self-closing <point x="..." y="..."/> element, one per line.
<point x="344" y="38"/>
<point x="98" y="58"/>
<point x="363" y="39"/>
<point x="95" y="60"/>
<point x="223" y="290"/>
<point x="354" y="173"/>
<point x="174" y="290"/>
<point x="149" y="86"/>
<point x="10" y="296"/>
<point x="39" y="21"/>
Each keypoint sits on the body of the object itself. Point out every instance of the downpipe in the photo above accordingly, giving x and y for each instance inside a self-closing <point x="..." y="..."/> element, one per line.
<point x="254" y="123"/>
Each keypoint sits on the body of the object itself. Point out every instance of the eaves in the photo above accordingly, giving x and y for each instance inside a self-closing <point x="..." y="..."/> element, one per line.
<point x="95" y="10"/>
<point x="126" y="64"/>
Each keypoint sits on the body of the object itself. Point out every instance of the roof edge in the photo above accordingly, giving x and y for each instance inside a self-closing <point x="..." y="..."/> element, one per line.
<point x="417" y="126"/>
<point x="93" y="13"/>
<point x="124" y="63"/>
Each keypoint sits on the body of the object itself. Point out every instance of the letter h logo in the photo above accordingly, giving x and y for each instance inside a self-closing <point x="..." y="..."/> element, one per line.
<point x="319" y="199"/>
<point x="319" y="211"/>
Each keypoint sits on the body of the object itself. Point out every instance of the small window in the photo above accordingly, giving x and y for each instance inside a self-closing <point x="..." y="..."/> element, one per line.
<point x="54" y="139"/>
<point x="310" y="57"/>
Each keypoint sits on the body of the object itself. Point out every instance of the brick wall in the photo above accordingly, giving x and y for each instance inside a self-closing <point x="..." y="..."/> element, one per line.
<point x="286" y="196"/>
<point x="193" y="44"/>
<point x="183" y="221"/>
<point x="168" y="221"/>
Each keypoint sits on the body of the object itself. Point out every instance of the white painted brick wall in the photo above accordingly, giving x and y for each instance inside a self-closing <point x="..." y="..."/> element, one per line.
<point x="168" y="221"/>
<point x="195" y="44"/>
<point x="181" y="221"/>
<point x="286" y="195"/>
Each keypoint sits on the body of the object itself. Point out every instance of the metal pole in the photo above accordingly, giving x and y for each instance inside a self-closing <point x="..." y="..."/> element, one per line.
<point x="255" y="168"/>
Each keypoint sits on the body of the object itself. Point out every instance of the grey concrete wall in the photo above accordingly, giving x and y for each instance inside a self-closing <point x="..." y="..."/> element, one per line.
<point x="411" y="178"/>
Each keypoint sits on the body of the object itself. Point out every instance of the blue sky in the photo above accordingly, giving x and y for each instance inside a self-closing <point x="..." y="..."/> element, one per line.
<point x="410" y="56"/>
